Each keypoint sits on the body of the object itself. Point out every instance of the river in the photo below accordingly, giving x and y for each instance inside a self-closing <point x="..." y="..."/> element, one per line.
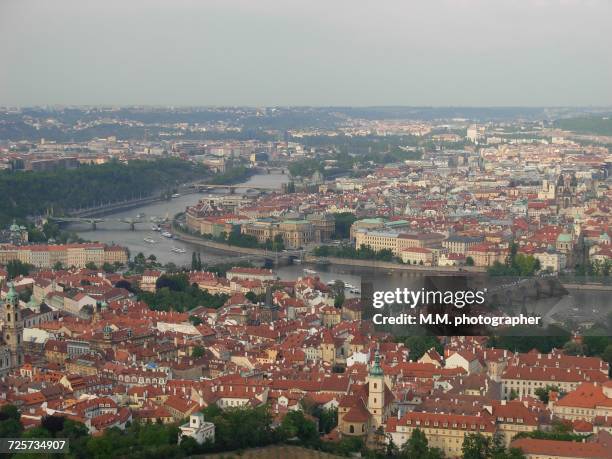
<point x="113" y="231"/>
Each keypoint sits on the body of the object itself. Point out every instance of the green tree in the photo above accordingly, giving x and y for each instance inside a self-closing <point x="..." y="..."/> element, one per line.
<point x="606" y="355"/>
<point x="419" y="344"/>
<point x="243" y="427"/>
<point x="416" y="445"/>
<point x="338" y="290"/>
<point x="195" y="320"/>
<point x="328" y="419"/>
<point x="574" y="348"/>
<point x="17" y="268"/>
<point x="342" y="224"/>
<point x="279" y="244"/>
<point x="197" y="352"/>
<point x="475" y="446"/>
<point x="108" y="268"/>
<point x="295" y="424"/>
<point x="469" y="261"/>
<point x="10" y="427"/>
<point x="339" y="300"/>
<point x="543" y="392"/>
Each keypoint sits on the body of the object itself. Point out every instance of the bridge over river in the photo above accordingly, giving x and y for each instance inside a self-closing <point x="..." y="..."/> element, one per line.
<point x="208" y="187"/>
<point x="95" y="221"/>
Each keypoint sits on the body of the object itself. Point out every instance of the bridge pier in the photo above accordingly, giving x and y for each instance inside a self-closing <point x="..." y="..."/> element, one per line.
<point x="132" y="226"/>
<point x="93" y="225"/>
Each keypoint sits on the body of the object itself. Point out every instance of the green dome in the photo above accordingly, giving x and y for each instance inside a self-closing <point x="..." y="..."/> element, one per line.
<point x="376" y="370"/>
<point x="564" y="237"/>
<point x="12" y="296"/>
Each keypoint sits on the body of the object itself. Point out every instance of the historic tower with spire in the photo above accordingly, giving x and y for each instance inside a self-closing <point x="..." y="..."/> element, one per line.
<point x="12" y="330"/>
<point x="376" y="392"/>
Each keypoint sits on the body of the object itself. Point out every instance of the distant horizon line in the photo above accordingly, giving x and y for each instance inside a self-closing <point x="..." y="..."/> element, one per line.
<point x="181" y="106"/>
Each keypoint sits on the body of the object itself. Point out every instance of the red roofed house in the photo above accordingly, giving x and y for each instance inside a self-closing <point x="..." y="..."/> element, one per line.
<point x="587" y="402"/>
<point x="555" y="449"/>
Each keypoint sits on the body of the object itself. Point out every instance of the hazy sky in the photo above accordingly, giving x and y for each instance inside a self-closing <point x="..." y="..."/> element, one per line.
<point x="311" y="52"/>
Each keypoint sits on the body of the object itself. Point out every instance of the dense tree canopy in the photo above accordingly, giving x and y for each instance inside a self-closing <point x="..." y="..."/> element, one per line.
<point x="347" y="251"/>
<point x="35" y="193"/>
<point x="173" y="292"/>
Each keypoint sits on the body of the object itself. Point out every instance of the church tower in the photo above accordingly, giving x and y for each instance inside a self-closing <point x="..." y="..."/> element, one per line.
<point x="376" y="392"/>
<point x="12" y="332"/>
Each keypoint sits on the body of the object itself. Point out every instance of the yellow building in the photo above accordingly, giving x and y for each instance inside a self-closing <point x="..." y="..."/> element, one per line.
<point x="444" y="431"/>
<point x="525" y="380"/>
<point x="586" y="402"/>
<point x="377" y="240"/>
<point x="330" y="316"/>
<point x="77" y="255"/>
<point x="295" y="233"/>
<point x="418" y="256"/>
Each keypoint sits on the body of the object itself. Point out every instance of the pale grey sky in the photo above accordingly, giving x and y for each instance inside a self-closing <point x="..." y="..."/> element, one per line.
<point x="311" y="52"/>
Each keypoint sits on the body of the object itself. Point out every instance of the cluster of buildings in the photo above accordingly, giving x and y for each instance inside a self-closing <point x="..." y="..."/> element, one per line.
<point x="79" y="343"/>
<point x="452" y="207"/>
<point x="117" y="361"/>
<point x="296" y="230"/>
<point x="76" y="255"/>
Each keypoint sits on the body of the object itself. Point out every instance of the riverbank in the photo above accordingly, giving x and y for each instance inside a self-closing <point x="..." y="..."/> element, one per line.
<point x="233" y="249"/>
<point x="392" y="266"/>
<point x="115" y="207"/>
<point x="588" y="287"/>
<point x="311" y="259"/>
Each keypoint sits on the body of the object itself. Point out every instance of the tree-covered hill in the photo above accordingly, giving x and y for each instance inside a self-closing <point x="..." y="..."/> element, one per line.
<point x="33" y="193"/>
<point x="587" y="125"/>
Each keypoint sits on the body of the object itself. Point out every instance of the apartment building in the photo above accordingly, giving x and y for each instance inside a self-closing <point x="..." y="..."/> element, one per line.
<point x="524" y="380"/>
<point x="377" y="240"/>
<point x="418" y="256"/>
<point x="486" y="254"/>
<point x="586" y="402"/>
<point x="69" y="255"/>
<point x="512" y="418"/>
<point x="444" y="431"/>
<point x="460" y="244"/>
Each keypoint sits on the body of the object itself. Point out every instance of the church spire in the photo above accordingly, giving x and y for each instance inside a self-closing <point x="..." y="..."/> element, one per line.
<point x="376" y="369"/>
<point x="12" y="297"/>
